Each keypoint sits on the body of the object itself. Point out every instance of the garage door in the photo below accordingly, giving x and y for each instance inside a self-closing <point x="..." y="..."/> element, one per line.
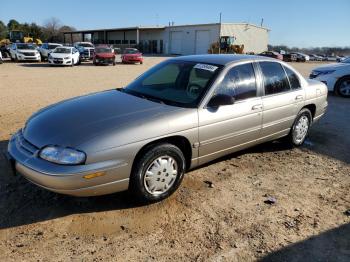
<point x="202" y="41"/>
<point x="176" y="43"/>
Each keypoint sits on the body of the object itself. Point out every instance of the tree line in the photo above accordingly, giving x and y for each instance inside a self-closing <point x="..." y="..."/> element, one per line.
<point x="328" y="51"/>
<point x="51" y="31"/>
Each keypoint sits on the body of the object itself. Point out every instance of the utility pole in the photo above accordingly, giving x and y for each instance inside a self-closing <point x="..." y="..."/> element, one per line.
<point x="219" y="33"/>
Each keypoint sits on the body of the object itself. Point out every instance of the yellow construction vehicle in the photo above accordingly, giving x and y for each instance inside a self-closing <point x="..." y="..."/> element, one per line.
<point x="226" y="46"/>
<point x="17" y="36"/>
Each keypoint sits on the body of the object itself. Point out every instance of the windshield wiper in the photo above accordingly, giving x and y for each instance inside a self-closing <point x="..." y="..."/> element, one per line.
<point x="147" y="97"/>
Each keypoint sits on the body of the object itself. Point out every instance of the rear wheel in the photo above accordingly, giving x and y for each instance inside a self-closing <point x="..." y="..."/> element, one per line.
<point x="342" y="87"/>
<point x="300" y="128"/>
<point x="157" y="173"/>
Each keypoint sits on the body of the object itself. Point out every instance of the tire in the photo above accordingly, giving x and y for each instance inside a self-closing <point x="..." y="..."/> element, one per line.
<point x="72" y="65"/>
<point x="161" y="181"/>
<point x="113" y="63"/>
<point x="342" y="87"/>
<point x="16" y="59"/>
<point x="141" y="63"/>
<point x="300" y="128"/>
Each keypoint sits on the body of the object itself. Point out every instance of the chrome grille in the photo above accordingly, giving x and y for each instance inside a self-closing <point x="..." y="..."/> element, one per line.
<point x="28" y="53"/>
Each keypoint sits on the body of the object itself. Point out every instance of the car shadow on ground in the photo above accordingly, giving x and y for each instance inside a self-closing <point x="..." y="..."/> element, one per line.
<point x="35" y="65"/>
<point x="22" y="202"/>
<point x="332" y="245"/>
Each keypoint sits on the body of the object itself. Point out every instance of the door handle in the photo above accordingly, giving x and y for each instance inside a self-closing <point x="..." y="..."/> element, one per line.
<point x="299" y="97"/>
<point x="257" y="107"/>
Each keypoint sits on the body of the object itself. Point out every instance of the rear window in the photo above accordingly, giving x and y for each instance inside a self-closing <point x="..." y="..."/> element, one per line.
<point x="293" y="78"/>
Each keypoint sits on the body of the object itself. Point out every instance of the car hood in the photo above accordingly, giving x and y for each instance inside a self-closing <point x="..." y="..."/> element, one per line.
<point x="105" y="55"/>
<point x="83" y="119"/>
<point x="331" y="66"/>
<point x="59" y="55"/>
<point x="27" y="50"/>
<point x="132" y="55"/>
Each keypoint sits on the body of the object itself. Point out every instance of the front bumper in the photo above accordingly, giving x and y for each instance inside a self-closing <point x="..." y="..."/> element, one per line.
<point x="28" y="58"/>
<point x="104" y="61"/>
<point x="59" y="61"/>
<point x="66" y="179"/>
<point x="132" y="60"/>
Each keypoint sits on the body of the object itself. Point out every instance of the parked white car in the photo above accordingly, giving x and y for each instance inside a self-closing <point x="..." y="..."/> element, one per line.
<point x="46" y="49"/>
<point x="24" y="52"/>
<point x="0" y="58"/>
<point x="64" y="55"/>
<point x="336" y="76"/>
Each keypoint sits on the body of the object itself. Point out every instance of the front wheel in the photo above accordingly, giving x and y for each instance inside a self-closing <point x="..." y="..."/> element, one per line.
<point x="157" y="173"/>
<point x="300" y="128"/>
<point x="342" y="87"/>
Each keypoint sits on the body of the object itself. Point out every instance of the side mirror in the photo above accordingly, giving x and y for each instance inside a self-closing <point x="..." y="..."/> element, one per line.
<point x="221" y="100"/>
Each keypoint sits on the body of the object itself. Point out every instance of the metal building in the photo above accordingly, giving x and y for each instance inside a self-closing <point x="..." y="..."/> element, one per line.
<point x="179" y="40"/>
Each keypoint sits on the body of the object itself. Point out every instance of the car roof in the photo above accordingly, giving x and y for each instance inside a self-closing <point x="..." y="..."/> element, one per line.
<point x="222" y="59"/>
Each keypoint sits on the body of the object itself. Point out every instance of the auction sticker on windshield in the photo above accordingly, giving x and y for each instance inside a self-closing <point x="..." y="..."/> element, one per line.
<point x="210" y="68"/>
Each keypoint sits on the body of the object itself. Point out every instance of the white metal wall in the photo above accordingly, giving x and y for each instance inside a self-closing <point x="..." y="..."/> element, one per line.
<point x="255" y="39"/>
<point x="187" y="34"/>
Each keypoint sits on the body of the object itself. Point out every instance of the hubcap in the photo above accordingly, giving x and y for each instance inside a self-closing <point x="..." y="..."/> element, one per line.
<point x="160" y="175"/>
<point x="301" y="128"/>
<point x="344" y="88"/>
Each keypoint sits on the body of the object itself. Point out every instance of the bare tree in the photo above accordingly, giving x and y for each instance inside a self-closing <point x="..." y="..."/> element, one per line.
<point x="51" y="28"/>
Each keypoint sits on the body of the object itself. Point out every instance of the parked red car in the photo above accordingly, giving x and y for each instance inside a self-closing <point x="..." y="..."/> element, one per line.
<point x="272" y="54"/>
<point x="132" y="55"/>
<point x="103" y="55"/>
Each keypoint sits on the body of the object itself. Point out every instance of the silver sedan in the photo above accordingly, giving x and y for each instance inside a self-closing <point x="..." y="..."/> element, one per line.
<point x="180" y="114"/>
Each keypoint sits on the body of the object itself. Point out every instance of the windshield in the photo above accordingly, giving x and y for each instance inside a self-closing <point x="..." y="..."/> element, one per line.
<point x="346" y="60"/>
<point x="26" y="46"/>
<point x="85" y="45"/>
<point x="131" y="51"/>
<point x="103" y="50"/>
<point x="53" y="46"/>
<point x="62" y="50"/>
<point x="179" y="83"/>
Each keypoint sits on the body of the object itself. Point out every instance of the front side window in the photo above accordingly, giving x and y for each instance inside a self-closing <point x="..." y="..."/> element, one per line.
<point x="239" y="82"/>
<point x="293" y="78"/>
<point x="275" y="79"/>
<point x="179" y="83"/>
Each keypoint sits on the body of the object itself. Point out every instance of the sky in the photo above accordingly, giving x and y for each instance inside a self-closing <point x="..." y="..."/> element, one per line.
<point x="295" y="23"/>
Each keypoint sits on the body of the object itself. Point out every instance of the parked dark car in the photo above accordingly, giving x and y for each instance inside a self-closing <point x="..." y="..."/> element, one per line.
<point x="290" y="57"/>
<point x="272" y="54"/>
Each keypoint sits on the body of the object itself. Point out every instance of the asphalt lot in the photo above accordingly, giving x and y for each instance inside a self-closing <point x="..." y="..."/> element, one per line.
<point x="229" y="222"/>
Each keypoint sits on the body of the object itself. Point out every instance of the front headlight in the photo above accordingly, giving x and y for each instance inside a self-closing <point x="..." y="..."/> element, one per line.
<point x="62" y="155"/>
<point x="20" y="52"/>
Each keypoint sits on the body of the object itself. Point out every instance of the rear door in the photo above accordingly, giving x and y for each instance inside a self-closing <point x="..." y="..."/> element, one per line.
<point x="281" y="102"/>
<point x="229" y="128"/>
<point x="176" y="42"/>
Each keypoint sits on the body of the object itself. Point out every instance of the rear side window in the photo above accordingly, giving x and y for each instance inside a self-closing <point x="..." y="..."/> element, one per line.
<point x="239" y="82"/>
<point x="275" y="79"/>
<point x="293" y="78"/>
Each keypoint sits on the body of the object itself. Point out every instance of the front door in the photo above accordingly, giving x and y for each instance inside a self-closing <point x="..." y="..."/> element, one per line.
<point x="229" y="128"/>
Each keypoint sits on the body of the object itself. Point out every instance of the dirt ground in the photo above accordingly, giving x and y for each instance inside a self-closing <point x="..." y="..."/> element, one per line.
<point x="226" y="222"/>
